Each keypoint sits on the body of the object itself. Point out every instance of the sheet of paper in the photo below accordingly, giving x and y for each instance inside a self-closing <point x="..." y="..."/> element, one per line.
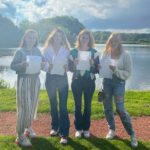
<point x="105" y="71"/>
<point x="58" y="66"/>
<point x="83" y="60"/>
<point x="34" y="64"/>
<point x="84" y="55"/>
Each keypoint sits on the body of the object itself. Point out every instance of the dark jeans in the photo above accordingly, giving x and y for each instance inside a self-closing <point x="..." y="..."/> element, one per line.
<point x="60" y="120"/>
<point x="115" y="88"/>
<point x="87" y="87"/>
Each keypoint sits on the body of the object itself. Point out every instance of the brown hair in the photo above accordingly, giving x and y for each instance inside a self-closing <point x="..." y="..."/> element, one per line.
<point x="22" y="44"/>
<point x="50" y="37"/>
<point x="91" y="38"/>
<point x="117" y="38"/>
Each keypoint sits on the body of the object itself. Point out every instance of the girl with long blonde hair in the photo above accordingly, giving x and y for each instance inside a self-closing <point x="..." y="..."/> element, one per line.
<point x="115" y="69"/>
<point x="56" y="52"/>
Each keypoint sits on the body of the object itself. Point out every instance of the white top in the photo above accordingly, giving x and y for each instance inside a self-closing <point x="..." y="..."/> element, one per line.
<point x="58" y="60"/>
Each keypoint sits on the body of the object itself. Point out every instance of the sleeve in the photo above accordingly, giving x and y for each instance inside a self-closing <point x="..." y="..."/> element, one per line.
<point x="16" y="63"/>
<point x="94" y="67"/>
<point x="125" y="73"/>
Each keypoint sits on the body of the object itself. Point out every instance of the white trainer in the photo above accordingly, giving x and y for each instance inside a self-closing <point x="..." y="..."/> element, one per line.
<point x="86" y="134"/>
<point x="134" y="142"/>
<point x="63" y="140"/>
<point x="110" y="135"/>
<point x="53" y="132"/>
<point x="78" y="134"/>
<point x="23" y="141"/>
<point x="30" y="133"/>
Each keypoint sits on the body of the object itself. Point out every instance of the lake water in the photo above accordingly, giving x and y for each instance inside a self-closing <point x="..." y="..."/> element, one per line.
<point x="140" y="79"/>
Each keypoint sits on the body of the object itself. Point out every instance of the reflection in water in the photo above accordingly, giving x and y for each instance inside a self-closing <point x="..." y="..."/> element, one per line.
<point x="140" y="79"/>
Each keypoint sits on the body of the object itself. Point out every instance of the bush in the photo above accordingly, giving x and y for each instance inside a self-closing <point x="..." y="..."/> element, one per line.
<point x="3" y="84"/>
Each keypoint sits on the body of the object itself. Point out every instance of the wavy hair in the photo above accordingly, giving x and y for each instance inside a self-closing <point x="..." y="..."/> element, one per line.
<point x="49" y="40"/>
<point x="108" y="47"/>
<point x="91" y="38"/>
<point x="23" y="43"/>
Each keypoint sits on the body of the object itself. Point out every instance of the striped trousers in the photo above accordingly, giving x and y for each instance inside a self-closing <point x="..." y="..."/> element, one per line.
<point x="27" y="100"/>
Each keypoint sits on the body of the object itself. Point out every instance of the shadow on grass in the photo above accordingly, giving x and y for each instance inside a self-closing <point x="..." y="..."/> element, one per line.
<point x="101" y="144"/>
<point x="76" y="145"/>
<point x="40" y="144"/>
<point x="128" y="143"/>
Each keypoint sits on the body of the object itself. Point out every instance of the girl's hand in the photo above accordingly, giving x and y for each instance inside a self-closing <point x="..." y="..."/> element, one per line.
<point x="50" y="67"/>
<point x="43" y="65"/>
<point x="91" y="61"/>
<point x="113" y="68"/>
<point x="99" y="66"/>
<point x="24" y="64"/>
<point x="66" y="68"/>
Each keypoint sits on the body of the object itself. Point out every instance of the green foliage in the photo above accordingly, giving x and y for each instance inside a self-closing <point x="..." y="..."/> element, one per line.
<point x="127" y="38"/>
<point x="3" y="84"/>
<point x="70" y="25"/>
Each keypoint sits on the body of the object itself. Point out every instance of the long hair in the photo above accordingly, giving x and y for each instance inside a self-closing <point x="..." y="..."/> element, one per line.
<point x="23" y="43"/>
<point x="91" y="38"/>
<point x="49" y="40"/>
<point x="108" y="47"/>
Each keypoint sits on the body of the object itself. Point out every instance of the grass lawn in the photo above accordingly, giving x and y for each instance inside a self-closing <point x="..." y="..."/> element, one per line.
<point x="137" y="104"/>
<point x="41" y="143"/>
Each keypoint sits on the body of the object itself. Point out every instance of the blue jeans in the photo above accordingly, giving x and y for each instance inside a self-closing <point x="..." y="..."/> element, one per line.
<point x="115" y="88"/>
<point x="84" y="86"/>
<point x="60" y="120"/>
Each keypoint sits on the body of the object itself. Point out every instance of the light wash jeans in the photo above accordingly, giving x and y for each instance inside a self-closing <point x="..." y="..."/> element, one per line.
<point x="115" y="88"/>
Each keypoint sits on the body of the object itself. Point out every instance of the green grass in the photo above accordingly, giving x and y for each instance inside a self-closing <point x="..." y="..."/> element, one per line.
<point x="137" y="103"/>
<point x="42" y="143"/>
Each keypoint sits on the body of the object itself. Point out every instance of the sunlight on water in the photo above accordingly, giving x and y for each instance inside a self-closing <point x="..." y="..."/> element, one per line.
<point x="140" y="79"/>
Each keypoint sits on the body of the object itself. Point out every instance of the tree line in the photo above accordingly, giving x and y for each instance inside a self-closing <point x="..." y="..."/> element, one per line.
<point x="10" y="34"/>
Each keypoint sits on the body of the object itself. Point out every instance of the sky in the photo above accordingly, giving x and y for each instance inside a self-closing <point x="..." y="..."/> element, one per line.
<point x="127" y="15"/>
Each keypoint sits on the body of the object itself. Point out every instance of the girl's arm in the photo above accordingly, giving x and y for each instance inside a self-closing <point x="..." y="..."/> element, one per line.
<point x="18" y="63"/>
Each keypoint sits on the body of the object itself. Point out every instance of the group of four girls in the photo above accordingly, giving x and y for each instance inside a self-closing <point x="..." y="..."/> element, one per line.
<point x="56" y="60"/>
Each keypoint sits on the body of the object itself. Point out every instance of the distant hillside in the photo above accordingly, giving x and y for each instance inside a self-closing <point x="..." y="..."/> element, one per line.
<point x="9" y="33"/>
<point x="127" y="38"/>
<point x="70" y="25"/>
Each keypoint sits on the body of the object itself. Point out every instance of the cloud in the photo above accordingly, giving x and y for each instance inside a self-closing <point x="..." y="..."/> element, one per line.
<point x="87" y="11"/>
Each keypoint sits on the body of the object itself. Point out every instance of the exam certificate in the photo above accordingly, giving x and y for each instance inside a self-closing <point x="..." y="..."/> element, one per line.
<point x="84" y="60"/>
<point x="34" y="64"/>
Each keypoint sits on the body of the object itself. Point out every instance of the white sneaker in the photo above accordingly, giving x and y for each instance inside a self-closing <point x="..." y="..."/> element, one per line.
<point x="53" y="132"/>
<point x="63" y="140"/>
<point x="134" y="142"/>
<point x="78" y="134"/>
<point x="86" y="134"/>
<point x="23" y="141"/>
<point x="110" y="135"/>
<point x="30" y="133"/>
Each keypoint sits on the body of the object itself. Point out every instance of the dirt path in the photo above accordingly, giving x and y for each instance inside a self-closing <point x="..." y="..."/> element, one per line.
<point x="98" y="127"/>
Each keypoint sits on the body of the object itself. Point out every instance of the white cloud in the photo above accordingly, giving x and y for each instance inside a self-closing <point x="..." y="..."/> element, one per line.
<point x="84" y="10"/>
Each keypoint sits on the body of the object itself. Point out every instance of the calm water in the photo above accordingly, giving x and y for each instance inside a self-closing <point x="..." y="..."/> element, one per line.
<point x="140" y="79"/>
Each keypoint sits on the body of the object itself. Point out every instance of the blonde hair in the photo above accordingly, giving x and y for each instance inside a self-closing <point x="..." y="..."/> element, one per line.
<point x="91" y="38"/>
<point x="49" y="40"/>
<point x="117" y="38"/>
<point x="22" y="44"/>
